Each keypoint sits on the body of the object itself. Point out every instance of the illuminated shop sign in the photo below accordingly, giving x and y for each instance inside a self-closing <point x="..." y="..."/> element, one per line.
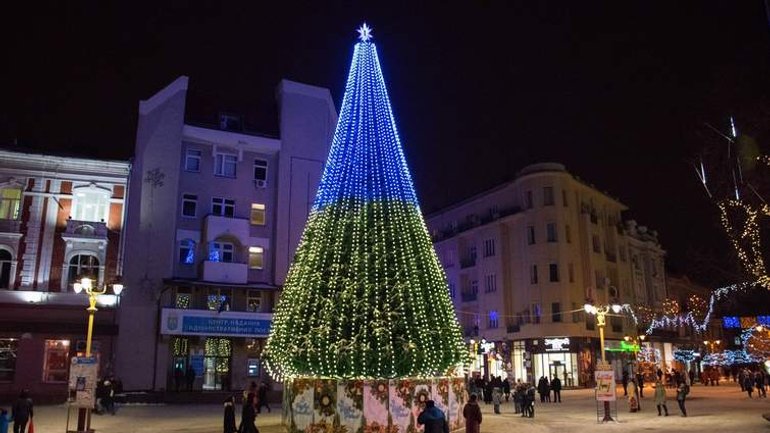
<point x="557" y="344"/>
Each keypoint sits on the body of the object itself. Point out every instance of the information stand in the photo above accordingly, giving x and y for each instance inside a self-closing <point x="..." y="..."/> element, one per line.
<point x="84" y="372"/>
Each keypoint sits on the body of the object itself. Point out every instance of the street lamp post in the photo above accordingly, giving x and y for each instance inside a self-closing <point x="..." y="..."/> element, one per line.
<point x="601" y="320"/>
<point x="92" y="291"/>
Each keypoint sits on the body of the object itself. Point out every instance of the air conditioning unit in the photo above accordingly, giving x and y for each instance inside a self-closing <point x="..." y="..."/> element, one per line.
<point x="260" y="183"/>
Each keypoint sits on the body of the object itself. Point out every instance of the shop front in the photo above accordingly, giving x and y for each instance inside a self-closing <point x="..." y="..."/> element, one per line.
<point x="211" y="350"/>
<point x="571" y="359"/>
<point x="488" y="359"/>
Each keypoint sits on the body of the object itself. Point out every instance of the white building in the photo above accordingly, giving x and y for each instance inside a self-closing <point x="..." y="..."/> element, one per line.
<point x="523" y="258"/>
<point x="214" y="216"/>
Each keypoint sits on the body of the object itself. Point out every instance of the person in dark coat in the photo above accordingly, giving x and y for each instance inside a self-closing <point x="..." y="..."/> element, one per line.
<point x="488" y="387"/>
<point x="433" y="419"/>
<point x="681" y="395"/>
<point x="229" y="421"/>
<point x="640" y="383"/>
<point x="556" y="387"/>
<point x="22" y="412"/>
<point x="544" y="389"/>
<point x="262" y="397"/>
<point x="530" y="401"/>
<point x="748" y="384"/>
<point x="248" y="416"/>
<point x="472" y="415"/>
<point x="178" y="377"/>
<point x="506" y="389"/>
<point x="108" y="399"/>
<point x="189" y="377"/>
<point x="624" y="381"/>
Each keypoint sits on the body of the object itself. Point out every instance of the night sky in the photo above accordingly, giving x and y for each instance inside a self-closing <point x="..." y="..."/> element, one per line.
<point x="618" y="91"/>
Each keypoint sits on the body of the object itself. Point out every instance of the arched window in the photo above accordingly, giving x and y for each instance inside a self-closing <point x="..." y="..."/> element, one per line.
<point x="5" y="269"/>
<point x="83" y="265"/>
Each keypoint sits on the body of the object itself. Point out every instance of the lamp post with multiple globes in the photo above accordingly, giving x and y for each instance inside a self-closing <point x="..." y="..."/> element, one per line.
<point x="601" y="312"/>
<point x="87" y="286"/>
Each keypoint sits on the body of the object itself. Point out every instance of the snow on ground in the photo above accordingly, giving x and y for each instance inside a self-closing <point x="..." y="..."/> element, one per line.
<point x="710" y="409"/>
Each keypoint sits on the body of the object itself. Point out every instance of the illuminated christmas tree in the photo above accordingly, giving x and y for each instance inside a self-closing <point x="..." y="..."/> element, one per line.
<point x="366" y="296"/>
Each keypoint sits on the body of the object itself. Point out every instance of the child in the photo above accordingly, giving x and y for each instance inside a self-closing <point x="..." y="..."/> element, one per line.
<point x="229" y="424"/>
<point x="5" y="419"/>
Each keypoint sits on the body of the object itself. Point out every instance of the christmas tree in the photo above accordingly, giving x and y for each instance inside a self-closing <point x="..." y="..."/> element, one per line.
<point x="366" y="296"/>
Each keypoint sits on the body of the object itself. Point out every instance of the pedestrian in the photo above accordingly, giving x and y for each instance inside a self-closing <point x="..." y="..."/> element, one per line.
<point x="741" y="380"/>
<point x="472" y="415"/>
<point x="681" y="394"/>
<point x="659" y="373"/>
<point x="506" y="389"/>
<point x="660" y="397"/>
<point x="748" y="384"/>
<point x="544" y="389"/>
<point x="178" y="377"/>
<point x="759" y="381"/>
<point x="497" y="398"/>
<point x="518" y="395"/>
<point x="22" y="412"/>
<point x="488" y="392"/>
<point x="262" y="397"/>
<point x="633" y="398"/>
<point x="108" y="399"/>
<point x="530" y="401"/>
<point x="248" y="416"/>
<point x="640" y="383"/>
<point x="5" y="421"/>
<point x="556" y="387"/>
<point x="229" y="421"/>
<point x="189" y="377"/>
<point x="692" y="376"/>
<point x="433" y="419"/>
<point x="624" y="381"/>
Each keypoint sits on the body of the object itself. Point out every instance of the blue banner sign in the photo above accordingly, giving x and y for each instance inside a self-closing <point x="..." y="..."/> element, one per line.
<point x="212" y="323"/>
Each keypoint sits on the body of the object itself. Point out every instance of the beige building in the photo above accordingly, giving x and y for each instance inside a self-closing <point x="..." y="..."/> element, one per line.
<point x="523" y="258"/>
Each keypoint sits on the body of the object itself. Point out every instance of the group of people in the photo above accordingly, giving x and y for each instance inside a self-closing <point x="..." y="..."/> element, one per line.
<point x="750" y="380"/>
<point x="20" y="416"/>
<point x="633" y="389"/>
<point x="254" y="399"/>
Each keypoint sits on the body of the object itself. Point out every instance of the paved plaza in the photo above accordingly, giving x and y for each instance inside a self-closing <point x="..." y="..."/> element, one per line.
<point x="710" y="409"/>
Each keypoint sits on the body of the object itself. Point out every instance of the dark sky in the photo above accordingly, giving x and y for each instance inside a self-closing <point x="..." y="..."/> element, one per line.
<point x="618" y="91"/>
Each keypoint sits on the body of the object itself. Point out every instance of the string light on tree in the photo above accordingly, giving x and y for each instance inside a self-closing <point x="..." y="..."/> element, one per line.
<point x="366" y="297"/>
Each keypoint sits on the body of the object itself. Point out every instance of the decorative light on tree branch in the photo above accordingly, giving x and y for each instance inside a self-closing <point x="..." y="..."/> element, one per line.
<point x="366" y="297"/>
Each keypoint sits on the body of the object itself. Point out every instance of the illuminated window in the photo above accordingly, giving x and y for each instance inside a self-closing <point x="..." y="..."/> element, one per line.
<point x="260" y="170"/>
<point x="221" y="252"/>
<point x="90" y="204"/>
<point x="56" y="360"/>
<point x="256" y="257"/>
<point x="257" y="214"/>
<point x="218" y="299"/>
<point x="183" y="299"/>
<point x="10" y="203"/>
<point x="187" y="252"/>
<point x="189" y="205"/>
<point x="223" y="207"/>
<point x="192" y="161"/>
<point x="253" y="301"/>
<point x="8" y="350"/>
<point x="83" y="265"/>
<point x="225" y="164"/>
<point x="493" y="321"/>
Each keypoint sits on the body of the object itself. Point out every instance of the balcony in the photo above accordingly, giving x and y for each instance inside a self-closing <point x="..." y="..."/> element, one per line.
<point x="10" y="226"/>
<point x="216" y="226"/>
<point x="223" y="272"/>
<point x="467" y="262"/>
<point x="85" y="229"/>
<point x="469" y="297"/>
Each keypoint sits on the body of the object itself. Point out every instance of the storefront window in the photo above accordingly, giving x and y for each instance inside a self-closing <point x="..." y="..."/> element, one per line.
<point x="217" y="363"/>
<point x="56" y="360"/>
<point x="562" y="365"/>
<point x="8" y="350"/>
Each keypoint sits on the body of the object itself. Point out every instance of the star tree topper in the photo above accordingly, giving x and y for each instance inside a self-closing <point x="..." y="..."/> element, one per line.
<point x="364" y="32"/>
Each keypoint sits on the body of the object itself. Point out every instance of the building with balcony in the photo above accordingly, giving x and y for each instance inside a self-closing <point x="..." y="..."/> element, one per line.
<point x="61" y="219"/>
<point x="523" y="258"/>
<point x="215" y="215"/>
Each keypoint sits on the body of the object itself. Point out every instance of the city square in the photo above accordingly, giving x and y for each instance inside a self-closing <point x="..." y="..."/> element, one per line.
<point x="335" y="237"/>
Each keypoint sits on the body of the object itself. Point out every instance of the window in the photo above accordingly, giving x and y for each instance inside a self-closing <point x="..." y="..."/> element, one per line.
<point x="550" y="229"/>
<point x="475" y="287"/>
<point x="187" y="252"/>
<point x="83" y="265"/>
<point x="568" y="234"/>
<point x="528" y="200"/>
<point x="449" y="258"/>
<point x="253" y="301"/>
<point x="224" y="164"/>
<point x="472" y="253"/>
<point x="5" y="269"/>
<point x="489" y="248"/>
<point x="218" y="299"/>
<point x="493" y="321"/>
<point x="548" y="196"/>
<point x="533" y="274"/>
<point x="260" y="170"/>
<point x="553" y="272"/>
<point x="256" y="257"/>
<point x="9" y="348"/>
<point x="10" y="203"/>
<point x="555" y="312"/>
<point x="183" y="299"/>
<point x="223" y="207"/>
<point x="90" y="204"/>
<point x="571" y="272"/>
<point x="490" y="283"/>
<point x="257" y="214"/>
<point x="56" y="360"/>
<point x="597" y="244"/>
<point x="564" y="198"/>
<point x="530" y="235"/>
<point x="221" y="252"/>
<point x="192" y="160"/>
<point x="189" y="205"/>
<point x="536" y="313"/>
<point x="452" y="290"/>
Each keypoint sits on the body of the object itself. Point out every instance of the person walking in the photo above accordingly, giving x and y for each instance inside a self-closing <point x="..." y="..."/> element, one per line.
<point x="248" y="416"/>
<point x="633" y="398"/>
<point x="507" y="389"/>
<point x="748" y="384"/>
<point x="108" y="399"/>
<point x="189" y="377"/>
<point x="22" y="412"/>
<point x="660" y="397"/>
<point x="556" y="387"/>
<point x="530" y="401"/>
<point x="178" y="377"/>
<point x="543" y="389"/>
<point x="640" y="383"/>
<point x="518" y="397"/>
<point x="681" y="394"/>
<point x="624" y="381"/>
<point x="262" y="397"/>
<point x="433" y="419"/>
<point x="472" y="415"/>
<point x="497" y="398"/>
<point x="229" y="421"/>
<point x="759" y="381"/>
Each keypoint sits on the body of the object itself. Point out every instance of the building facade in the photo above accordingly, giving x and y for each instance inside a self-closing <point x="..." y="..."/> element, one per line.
<point x="214" y="217"/>
<point x="61" y="219"/>
<point x="523" y="258"/>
